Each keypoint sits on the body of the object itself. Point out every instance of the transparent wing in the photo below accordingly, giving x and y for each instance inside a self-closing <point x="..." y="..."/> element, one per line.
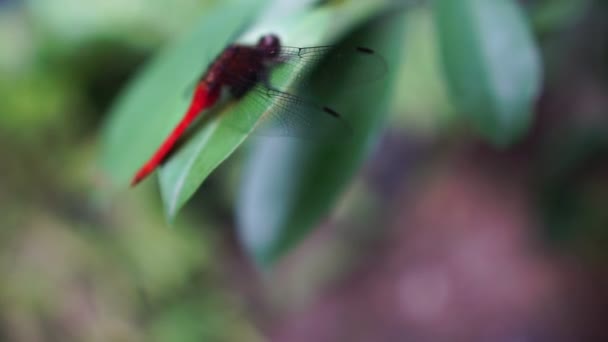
<point x="294" y="115"/>
<point x="356" y="66"/>
<point x="286" y="114"/>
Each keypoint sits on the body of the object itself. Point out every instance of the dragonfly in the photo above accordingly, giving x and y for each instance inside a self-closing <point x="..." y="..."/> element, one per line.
<point x="246" y="69"/>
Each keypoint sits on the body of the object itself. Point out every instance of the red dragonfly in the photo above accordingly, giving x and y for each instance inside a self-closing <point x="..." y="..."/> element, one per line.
<point x="246" y="68"/>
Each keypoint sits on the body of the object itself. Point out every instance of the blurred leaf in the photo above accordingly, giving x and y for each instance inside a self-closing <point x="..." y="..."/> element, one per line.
<point x="203" y="317"/>
<point x="557" y="14"/>
<point x="139" y="22"/>
<point x="35" y="103"/>
<point x="573" y="188"/>
<point x="491" y="64"/>
<point x="423" y="107"/>
<point x="184" y="172"/>
<point x="155" y="102"/>
<point x="290" y="185"/>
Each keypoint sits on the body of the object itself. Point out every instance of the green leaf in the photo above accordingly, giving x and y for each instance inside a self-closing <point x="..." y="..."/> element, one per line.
<point x="290" y="185"/>
<point x="210" y="145"/>
<point x="155" y="101"/>
<point x="491" y="64"/>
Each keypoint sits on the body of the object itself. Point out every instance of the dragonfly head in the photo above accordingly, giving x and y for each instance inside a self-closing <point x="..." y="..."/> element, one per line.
<point x="269" y="45"/>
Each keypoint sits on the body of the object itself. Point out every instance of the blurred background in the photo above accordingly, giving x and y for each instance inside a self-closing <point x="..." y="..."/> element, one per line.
<point x="439" y="237"/>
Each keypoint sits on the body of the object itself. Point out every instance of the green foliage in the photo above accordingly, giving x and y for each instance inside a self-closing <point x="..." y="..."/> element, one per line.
<point x="291" y="185"/>
<point x="154" y="102"/>
<point x="188" y="168"/>
<point x="84" y="263"/>
<point x="491" y="64"/>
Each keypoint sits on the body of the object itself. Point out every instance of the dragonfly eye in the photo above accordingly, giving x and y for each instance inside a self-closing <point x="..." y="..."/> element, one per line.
<point x="269" y="44"/>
